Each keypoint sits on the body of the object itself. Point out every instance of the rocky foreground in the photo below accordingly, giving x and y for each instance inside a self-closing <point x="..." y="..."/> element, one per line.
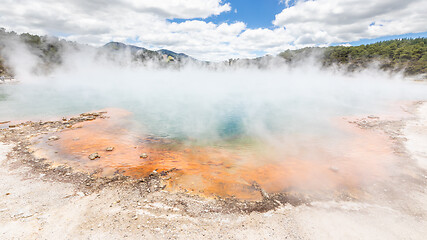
<point x="39" y="199"/>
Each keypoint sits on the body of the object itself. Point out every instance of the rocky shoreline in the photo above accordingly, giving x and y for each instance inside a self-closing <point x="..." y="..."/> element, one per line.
<point x="119" y="206"/>
<point x="20" y="134"/>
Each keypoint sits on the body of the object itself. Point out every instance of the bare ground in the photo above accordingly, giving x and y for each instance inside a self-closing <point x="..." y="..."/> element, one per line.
<point x="40" y="201"/>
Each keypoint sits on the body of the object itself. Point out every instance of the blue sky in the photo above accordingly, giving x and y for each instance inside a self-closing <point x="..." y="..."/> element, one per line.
<point x="385" y="38"/>
<point x="255" y="13"/>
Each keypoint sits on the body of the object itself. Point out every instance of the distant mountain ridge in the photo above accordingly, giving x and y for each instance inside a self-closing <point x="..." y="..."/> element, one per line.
<point x="135" y="49"/>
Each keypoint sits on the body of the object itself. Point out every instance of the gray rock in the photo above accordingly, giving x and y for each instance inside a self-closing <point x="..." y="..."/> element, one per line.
<point x="109" y="149"/>
<point x="53" y="138"/>
<point x="94" y="156"/>
<point x="22" y="214"/>
<point x="144" y="155"/>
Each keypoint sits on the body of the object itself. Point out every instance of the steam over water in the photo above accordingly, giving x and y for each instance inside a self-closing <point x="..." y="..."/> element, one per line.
<point x="282" y="128"/>
<point x="202" y="104"/>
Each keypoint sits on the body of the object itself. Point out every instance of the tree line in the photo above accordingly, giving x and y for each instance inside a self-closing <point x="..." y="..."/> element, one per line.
<point x="407" y="55"/>
<point x="48" y="49"/>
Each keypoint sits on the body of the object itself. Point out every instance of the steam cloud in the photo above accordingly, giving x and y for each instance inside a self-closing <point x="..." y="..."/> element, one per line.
<point x="199" y="102"/>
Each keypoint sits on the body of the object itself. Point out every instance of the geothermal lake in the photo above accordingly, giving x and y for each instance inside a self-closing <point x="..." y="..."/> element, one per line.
<point x="218" y="131"/>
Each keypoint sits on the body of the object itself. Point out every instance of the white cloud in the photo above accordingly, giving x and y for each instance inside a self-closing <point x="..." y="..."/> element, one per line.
<point x="286" y="2"/>
<point x="145" y="23"/>
<point x="328" y="21"/>
<point x="98" y="22"/>
<point x="179" y="8"/>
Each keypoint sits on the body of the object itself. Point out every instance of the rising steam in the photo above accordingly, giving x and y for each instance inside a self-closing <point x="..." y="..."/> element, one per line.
<point x="198" y="102"/>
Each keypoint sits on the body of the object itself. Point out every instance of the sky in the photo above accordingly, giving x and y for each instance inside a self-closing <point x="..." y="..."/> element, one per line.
<point x="217" y="30"/>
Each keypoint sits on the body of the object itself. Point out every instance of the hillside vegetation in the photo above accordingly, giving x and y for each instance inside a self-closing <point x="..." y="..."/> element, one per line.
<point x="47" y="49"/>
<point x="50" y="51"/>
<point x="408" y="55"/>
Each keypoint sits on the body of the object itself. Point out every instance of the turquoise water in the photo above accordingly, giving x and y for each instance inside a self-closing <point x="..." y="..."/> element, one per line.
<point x="221" y="106"/>
<point x="180" y="117"/>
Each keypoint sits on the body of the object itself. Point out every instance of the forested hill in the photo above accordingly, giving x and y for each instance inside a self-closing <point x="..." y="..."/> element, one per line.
<point x="409" y="55"/>
<point x="50" y="52"/>
<point x="47" y="49"/>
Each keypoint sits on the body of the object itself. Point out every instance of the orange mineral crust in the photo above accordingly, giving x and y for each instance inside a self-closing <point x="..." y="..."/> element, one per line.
<point x="345" y="161"/>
